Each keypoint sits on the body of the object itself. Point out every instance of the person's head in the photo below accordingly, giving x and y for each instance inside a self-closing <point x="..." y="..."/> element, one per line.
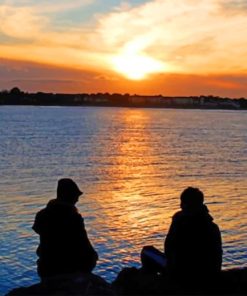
<point x="191" y="198"/>
<point x="68" y="191"/>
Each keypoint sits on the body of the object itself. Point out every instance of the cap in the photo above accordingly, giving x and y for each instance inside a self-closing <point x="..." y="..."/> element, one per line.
<point x="67" y="187"/>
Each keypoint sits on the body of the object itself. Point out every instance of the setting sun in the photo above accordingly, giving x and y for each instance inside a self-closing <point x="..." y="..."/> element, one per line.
<point x="140" y="46"/>
<point x="136" y="66"/>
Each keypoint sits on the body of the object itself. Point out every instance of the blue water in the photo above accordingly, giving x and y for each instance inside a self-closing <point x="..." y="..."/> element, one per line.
<point x="132" y="165"/>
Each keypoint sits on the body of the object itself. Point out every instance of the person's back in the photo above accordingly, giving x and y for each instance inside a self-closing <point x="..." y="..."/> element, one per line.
<point x="64" y="246"/>
<point x="193" y="244"/>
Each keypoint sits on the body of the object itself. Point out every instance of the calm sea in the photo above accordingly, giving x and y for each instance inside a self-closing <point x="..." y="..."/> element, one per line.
<point x="132" y="165"/>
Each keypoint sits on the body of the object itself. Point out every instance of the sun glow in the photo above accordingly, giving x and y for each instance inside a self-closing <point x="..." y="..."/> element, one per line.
<point x="136" y="66"/>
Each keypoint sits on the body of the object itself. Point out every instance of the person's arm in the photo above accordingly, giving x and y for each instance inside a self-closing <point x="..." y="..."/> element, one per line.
<point x="85" y="249"/>
<point x="218" y="247"/>
<point x="170" y="240"/>
<point x="86" y="240"/>
<point x="170" y="244"/>
<point x="37" y="223"/>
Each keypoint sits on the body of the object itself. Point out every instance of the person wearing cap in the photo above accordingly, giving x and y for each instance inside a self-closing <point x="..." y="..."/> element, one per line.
<point x="193" y="246"/>
<point x="64" y="245"/>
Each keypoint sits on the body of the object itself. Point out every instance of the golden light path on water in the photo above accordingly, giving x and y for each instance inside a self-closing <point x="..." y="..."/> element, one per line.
<point x="135" y="186"/>
<point x="132" y="165"/>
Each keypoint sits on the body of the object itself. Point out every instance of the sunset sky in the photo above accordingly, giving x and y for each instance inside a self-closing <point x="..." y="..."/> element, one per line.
<point x="169" y="47"/>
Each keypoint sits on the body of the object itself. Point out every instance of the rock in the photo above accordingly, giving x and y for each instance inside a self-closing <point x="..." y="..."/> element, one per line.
<point x="74" y="284"/>
<point x="132" y="281"/>
<point x="234" y="281"/>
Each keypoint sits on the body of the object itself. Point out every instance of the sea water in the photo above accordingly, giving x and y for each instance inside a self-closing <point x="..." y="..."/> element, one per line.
<point x="132" y="165"/>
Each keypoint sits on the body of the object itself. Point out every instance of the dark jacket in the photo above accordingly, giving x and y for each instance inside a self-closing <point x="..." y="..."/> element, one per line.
<point x="64" y="246"/>
<point x="193" y="245"/>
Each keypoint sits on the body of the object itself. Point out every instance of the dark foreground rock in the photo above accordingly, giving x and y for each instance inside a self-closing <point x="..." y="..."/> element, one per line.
<point x="75" y="284"/>
<point x="133" y="281"/>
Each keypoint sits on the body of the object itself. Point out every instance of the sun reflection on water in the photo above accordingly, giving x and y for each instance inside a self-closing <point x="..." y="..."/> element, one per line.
<point x="135" y="209"/>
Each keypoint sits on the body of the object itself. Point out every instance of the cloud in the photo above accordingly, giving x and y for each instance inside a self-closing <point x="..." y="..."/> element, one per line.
<point x="61" y="6"/>
<point x="234" y="6"/>
<point x="174" y="32"/>
<point x="47" y="6"/>
<point x="32" y="19"/>
<point x="32" y="36"/>
<point x="186" y="36"/>
<point x="22" y="22"/>
<point x="35" y="77"/>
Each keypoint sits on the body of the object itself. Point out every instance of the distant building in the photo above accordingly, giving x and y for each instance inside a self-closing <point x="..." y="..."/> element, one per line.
<point x="96" y="99"/>
<point x="138" y="99"/>
<point x="229" y="104"/>
<point x="78" y="99"/>
<point x="88" y="99"/>
<point x="185" y="101"/>
<point x="146" y="99"/>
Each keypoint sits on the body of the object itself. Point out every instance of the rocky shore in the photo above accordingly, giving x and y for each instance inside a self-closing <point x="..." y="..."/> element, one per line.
<point x="133" y="281"/>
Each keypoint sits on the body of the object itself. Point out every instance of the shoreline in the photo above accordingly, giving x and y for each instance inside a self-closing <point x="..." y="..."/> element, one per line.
<point x="15" y="96"/>
<point x="125" y="106"/>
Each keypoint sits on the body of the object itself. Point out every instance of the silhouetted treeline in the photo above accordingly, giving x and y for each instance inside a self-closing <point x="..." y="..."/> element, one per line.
<point x="17" y="97"/>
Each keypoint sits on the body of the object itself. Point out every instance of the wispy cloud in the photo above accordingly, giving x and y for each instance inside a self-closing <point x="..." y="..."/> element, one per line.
<point x="33" y="37"/>
<point x="46" y="6"/>
<point x="21" y="22"/>
<point x="60" y="6"/>
<point x="234" y="6"/>
<point x="187" y="36"/>
<point x="37" y="77"/>
<point x="175" y="33"/>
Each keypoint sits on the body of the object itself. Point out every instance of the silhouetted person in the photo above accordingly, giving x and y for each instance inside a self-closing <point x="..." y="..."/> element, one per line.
<point x="193" y="245"/>
<point x="64" y="245"/>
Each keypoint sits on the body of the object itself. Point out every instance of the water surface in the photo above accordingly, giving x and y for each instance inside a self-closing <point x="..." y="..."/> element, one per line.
<point x="132" y="165"/>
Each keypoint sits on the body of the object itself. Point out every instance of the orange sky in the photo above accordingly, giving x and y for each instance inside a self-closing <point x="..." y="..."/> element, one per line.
<point x="179" y="47"/>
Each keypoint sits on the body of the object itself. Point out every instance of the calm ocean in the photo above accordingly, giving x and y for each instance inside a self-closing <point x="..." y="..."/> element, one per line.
<point x="132" y="165"/>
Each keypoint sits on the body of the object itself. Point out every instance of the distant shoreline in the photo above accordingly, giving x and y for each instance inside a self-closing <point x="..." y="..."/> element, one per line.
<point x="126" y="106"/>
<point x="17" y="97"/>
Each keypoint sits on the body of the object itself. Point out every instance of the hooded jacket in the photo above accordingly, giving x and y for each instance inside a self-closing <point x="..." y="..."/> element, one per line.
<point x="193" y="245"/>
<point x="64" y="245"/>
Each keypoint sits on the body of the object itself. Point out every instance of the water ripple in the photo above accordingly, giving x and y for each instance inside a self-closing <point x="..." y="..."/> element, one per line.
<point x="132" y="165"/>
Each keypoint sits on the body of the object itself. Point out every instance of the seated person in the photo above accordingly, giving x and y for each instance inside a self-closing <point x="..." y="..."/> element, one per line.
<point x="64" y="245"/>
<point x="193" y="250"/>
<point x="193" y="245"/>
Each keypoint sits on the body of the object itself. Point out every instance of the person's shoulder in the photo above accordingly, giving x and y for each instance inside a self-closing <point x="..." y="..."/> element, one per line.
<point x="215" y="227"/>
<point x="178" y="216"/>
<point x="48" y="211"/>
<point x="40" y="213"/>
<point x="77" y="216"/>
<point x="39" y="220"/>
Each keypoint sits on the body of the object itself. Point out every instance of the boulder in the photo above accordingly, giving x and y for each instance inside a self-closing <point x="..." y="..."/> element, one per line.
<point x="133" y="281"/>
<point x="73" y="284"/>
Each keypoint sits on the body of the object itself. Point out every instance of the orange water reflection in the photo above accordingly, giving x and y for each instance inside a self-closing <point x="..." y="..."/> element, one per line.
<point x="132" y="195"/>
